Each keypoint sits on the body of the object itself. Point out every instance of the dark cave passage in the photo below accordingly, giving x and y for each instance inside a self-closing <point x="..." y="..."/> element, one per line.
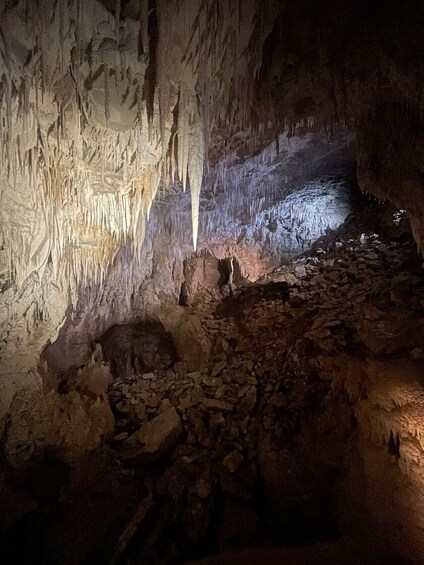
<point x="136" y="347"/>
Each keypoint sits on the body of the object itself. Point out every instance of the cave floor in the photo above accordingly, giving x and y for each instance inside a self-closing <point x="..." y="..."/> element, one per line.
<point x="250" y="450"/>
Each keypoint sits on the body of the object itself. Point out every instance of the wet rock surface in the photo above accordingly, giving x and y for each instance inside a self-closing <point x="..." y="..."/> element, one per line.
<point x="312" y="374"/>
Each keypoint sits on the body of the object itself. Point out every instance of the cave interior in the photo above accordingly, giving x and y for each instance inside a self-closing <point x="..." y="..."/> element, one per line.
<point x="211" y="282"/>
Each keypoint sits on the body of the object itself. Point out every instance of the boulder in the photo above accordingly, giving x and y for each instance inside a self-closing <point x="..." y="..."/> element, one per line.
<point x="398" y="329"/>
<point x="212" y="404"/>
<point x="153" y="440"/>
<point x="191" y="342"/>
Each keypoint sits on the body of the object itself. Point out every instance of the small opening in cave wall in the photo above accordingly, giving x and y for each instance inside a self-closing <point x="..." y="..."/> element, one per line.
<point x="226" y="270"/>
<point x="229" y="272"/>
<point x="394" y="445"/>
<point x="137" y="347"/>
<point x="183" y="298"/>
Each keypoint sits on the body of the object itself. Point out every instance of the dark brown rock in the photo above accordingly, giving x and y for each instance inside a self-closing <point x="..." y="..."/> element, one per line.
<point x="155" y="438"/>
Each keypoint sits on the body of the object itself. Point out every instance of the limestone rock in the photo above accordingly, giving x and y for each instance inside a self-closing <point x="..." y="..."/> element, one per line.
<point x="180" y="368"/>
<point x="155" y="438"/>
<point x="96" y="379"/>
<point x="218" y="368"/>
<point x="190" y="340"/>
<point x="233" y="460"/>
<point x="212" y="404"/>
<point x="397" y="330"/>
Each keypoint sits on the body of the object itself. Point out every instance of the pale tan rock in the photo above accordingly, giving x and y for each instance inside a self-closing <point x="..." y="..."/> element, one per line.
<point x="72" y="424"/>
<point x="96" y="379"/>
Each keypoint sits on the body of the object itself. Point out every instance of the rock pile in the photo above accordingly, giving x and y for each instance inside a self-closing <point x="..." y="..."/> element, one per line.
<point x="294" y="418"/>
<point x="214" y="407"/>
<point x="265" y="411"/>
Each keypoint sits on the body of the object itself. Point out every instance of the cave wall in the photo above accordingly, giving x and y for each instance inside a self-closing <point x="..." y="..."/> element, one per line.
<point x="372" y="78"/>
<point x="134" y="78"/>
<point x="301" y="204"/>
<point x="383" y="483"/>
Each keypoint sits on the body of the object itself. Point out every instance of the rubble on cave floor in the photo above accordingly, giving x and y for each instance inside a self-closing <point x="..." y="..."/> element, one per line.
<point x="204" y="444"/>
<point x="251" y="449"/>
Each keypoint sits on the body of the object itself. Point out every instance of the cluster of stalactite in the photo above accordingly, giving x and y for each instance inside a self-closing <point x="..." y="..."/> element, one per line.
<point x="99" y="109"/>
<point x="104" y="103"/>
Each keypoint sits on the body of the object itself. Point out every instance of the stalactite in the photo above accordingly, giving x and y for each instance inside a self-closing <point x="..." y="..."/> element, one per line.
<point x="183" y="138"/>
<point x="107" y="93"/>
<point x="109" y="179"/>
<point x="195" y="170"/>
<point x="144" y="38"/>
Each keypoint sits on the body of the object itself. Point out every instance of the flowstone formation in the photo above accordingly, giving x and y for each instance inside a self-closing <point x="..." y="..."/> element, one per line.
<point x="102" y="105"/>
<point x="92" y="129"/>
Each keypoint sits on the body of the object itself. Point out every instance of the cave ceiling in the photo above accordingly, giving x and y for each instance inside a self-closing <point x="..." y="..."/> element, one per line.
<point x="103" y="104"/>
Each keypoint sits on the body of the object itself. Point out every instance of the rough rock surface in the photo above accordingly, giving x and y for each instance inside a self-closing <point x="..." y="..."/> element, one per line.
<point x="155" y="438"/>
<point x="295" y="420"/>
<point x="107" y="110"/>
<point x="256" y="94"/>
<point x="304" y="416"/>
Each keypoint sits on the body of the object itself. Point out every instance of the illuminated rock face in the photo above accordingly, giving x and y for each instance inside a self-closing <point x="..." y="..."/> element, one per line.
<point x="263" y="220"/>
<point x="98" y="110"/>
<point x="100" y="107"/>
